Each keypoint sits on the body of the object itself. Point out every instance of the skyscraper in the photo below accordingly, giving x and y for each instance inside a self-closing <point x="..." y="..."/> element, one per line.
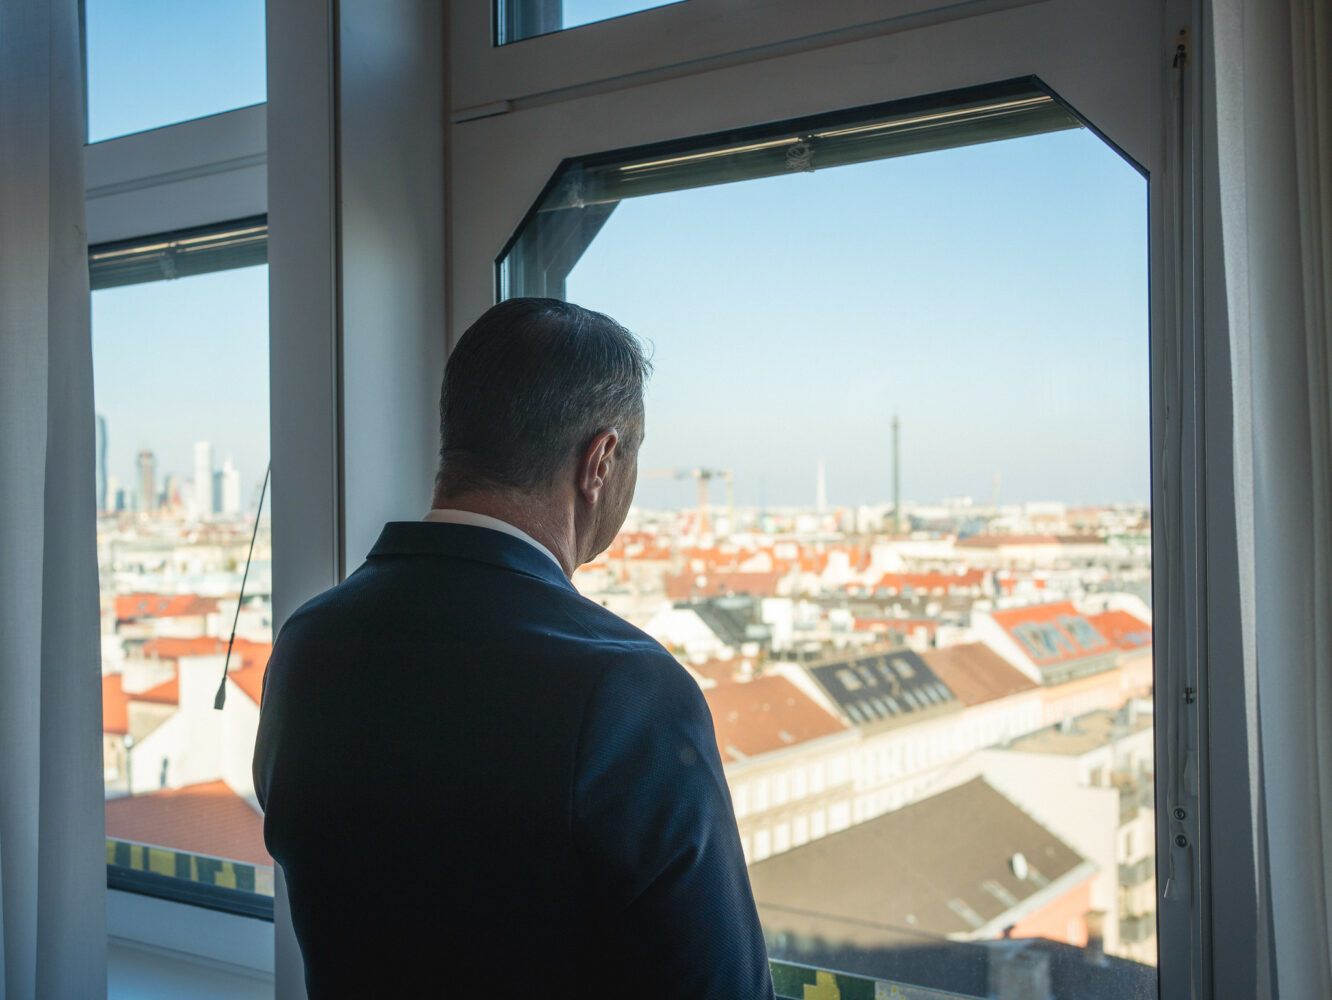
<point x="228" y="500"/>
<point x="147" y="467"/>
<point x="203" y="479"/>
<point x="171" y="492"/>
<point x="100" y="454"/>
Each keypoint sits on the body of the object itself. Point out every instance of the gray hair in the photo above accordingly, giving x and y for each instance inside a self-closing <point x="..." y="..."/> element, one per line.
<point x="528" y="386"/>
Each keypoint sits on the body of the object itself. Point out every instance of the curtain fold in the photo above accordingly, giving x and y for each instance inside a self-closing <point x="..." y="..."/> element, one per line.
<point x="52" y="855"/>
<point x="1274" y="155"/>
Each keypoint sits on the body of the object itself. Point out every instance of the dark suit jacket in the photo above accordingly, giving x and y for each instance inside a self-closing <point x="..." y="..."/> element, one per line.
<point x="480" y="783"/>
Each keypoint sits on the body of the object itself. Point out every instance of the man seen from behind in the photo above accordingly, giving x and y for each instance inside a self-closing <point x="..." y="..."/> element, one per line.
<point x="476" y="781"/>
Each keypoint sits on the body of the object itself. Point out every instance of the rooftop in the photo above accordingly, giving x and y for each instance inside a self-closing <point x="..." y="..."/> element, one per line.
<point x="207" y="818"/>
<point x="896" y="685"/>
<point x="1083" y="734"/>
<point x="976" y="673"/>
<point x="1122" y="629"/>
<point x="115" y="706"/>
<point x="132" y="606"/>
<point x="919" y="872"/>
<point x="769" y="713"/>
<point x="1052" y="633"/>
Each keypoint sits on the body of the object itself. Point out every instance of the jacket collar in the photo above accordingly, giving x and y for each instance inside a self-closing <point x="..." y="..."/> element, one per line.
<point x="465" y="541"/>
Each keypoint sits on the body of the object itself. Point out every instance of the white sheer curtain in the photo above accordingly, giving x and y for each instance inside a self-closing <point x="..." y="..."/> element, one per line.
<point x="1273" y="82"/>
<point x="52" y="858"/>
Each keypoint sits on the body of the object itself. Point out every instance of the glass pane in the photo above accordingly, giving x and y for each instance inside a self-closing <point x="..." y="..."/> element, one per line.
<point x="893" y="514"/>
<point x="519" y="19"/>
<point x="181" y="376"/>
<point x="153" y="63"/>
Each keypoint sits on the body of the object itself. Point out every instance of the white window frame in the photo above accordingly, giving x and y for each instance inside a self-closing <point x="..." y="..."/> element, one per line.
<point x="189" y="174"/>
<point x="507" y="117"/>
<point x="705" y="66"/>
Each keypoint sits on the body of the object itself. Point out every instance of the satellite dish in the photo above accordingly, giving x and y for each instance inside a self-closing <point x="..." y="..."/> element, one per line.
<point x="1019" y="865"/>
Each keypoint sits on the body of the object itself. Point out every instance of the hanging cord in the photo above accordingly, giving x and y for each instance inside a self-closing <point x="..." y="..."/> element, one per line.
<point x="221" y="698"/>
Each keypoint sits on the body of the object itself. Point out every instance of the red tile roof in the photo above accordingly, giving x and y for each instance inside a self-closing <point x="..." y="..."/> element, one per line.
<point x="115" y="706"/>
<point x="166" y="693"/>
<point x="250" y="680"/>
<point x="767" y="714"/>
<point x="686" y="586"/>
<point x="245" y="652"/>
<point x="930" y="582"/>
<point x="976" y="673"/>
<point x="1125" y="630"/>
<point x="132" y="606"/>
<point x="1052" y="633"/>
<point x="207" y="818"/>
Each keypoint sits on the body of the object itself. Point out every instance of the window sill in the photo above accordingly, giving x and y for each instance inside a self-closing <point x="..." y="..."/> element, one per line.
<point x="157" y="948"/>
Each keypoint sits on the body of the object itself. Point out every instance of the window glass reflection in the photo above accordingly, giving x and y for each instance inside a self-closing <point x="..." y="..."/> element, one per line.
<point x="181" y="388"/>
<point x="519" y="19"/>
<point x="893" y="517"/>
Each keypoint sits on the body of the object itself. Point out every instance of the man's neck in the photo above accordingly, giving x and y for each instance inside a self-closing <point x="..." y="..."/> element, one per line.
<point x="547" y="522"/>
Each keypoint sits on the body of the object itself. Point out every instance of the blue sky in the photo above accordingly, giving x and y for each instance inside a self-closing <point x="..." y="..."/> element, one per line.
<point x="994" y="297"/>
<point x="175" y="362"/>
<point x="155" y="62"/>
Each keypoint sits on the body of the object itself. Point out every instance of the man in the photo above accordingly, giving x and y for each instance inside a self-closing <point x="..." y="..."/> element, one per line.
<point x="476" y="781"/>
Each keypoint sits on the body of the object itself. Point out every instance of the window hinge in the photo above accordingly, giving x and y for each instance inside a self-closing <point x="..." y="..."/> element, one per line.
<point x="1181" y="48"/>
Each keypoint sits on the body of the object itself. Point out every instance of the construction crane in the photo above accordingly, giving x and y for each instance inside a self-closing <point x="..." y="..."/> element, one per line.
<point x="704" y="476"/>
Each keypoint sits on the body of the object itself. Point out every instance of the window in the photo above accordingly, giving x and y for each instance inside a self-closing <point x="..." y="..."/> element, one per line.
<point x="152" y="63"/>
<point x="853" y="279"/>
<point x="181" y="390"/>
<point x="519" y="19"/>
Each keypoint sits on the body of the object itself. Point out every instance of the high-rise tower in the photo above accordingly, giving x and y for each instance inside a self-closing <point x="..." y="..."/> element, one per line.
<point x="147" y="466"/>
<point x="203" y="479"/>
<point x="100" y="448"/>
<point x="821" y="489"/>
<point x="897" y="482"/>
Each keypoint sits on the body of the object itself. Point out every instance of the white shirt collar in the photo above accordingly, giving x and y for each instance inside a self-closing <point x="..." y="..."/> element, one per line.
<point x="451" y="516"/>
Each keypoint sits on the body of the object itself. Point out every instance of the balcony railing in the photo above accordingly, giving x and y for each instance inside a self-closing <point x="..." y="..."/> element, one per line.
<point x="804" y="982"/>
<point x="1136" y="929"/>
<point x="1137" y="873"/>
<point x="216" y="883"/>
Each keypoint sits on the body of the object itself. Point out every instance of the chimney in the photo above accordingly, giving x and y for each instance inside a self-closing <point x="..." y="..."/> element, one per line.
<point x="1019" y="972"/>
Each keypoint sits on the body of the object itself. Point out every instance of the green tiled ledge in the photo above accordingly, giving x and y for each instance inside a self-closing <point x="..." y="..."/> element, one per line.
<point x="218" y="872"/>
<point x="803" y="982"/>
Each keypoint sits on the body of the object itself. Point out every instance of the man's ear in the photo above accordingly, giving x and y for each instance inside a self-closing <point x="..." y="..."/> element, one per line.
<point x="594" y="467"/>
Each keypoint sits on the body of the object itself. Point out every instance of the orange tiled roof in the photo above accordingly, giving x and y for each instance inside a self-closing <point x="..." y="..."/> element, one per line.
<point x="1052" y="633"/>
<point x="931" y="582"/>
<point x="769" y="713"/>
<point x="115" y="706"/>
<point x="132" y="606"/>
<point x="685" y="586"/>
<point x="899" y="625"/>
<point x="976" y="673"/>
<point x="250" y="679"/>
<point x="207" y="818"/>
<point x="1125" y="630"/>
<point x="166" y="693"/>
<point x="245" y="651"/>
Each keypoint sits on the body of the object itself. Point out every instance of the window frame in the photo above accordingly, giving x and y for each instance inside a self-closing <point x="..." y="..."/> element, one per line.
<point x="182" y="178"/>
<point x="674" y="73"/>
